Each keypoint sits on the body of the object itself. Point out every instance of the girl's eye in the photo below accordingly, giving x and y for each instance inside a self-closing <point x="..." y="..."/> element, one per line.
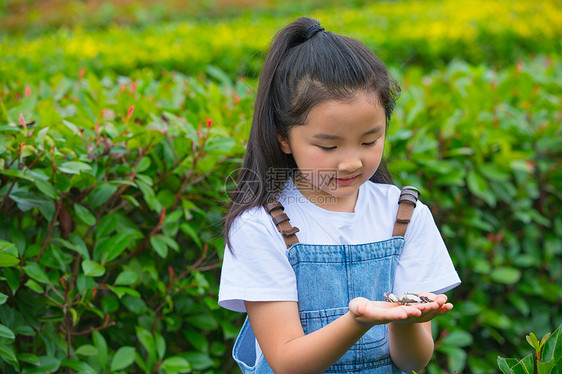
<point x="370" y="143"/>
<point x="326" y="148"/>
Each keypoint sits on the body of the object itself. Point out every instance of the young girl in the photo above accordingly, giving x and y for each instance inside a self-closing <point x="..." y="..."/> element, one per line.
<point x="314" y="286"/>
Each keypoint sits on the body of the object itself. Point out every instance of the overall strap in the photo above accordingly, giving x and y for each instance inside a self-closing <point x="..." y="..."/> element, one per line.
<point x="406" y="203"/>
<point x="281" y="220"/>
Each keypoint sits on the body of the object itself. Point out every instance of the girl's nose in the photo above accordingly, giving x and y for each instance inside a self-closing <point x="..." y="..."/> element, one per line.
<point x="350" y="163"/>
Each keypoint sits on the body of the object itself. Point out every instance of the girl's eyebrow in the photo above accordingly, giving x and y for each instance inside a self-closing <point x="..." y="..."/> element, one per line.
<point x="335" y="137"/>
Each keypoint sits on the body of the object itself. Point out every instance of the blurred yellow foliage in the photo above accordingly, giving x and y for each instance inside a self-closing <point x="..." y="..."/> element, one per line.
<point x="426" y="30"/>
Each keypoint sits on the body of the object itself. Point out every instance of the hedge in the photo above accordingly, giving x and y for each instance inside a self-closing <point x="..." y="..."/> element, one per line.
<point x="111" y="195"/>
<point x="112" y="191"/>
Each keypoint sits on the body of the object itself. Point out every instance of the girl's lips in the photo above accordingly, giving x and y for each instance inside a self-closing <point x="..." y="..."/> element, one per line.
<point x="346" y="181"/>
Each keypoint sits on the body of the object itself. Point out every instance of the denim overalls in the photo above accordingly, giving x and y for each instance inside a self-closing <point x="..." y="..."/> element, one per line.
<point x="328" y="277"/>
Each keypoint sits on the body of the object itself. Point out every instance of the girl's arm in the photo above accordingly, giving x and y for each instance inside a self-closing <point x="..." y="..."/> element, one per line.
<point x="288" y="350"/>
<point x="411" y="345"/>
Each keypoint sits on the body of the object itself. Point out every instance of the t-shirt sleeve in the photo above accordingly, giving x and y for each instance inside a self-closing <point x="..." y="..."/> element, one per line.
<point x="425" y="264"/>
<point x="255" y="267"/>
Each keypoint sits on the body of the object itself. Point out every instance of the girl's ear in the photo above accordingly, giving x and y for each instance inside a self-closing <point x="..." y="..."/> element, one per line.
<point x="284" y="144"/>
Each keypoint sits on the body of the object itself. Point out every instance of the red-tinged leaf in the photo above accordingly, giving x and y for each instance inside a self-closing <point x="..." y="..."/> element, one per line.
<point x="171" y="272"/>
<point x="27" y="91"/>
<point x="22" y="120"/>
<point x="162" y="215"/>
<point x="133" y="87"/>
<point x="209" y="123"/>
<point x="130" y="111"/>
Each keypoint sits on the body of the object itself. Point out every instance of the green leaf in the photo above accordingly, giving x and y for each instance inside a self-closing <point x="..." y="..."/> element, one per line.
<point x="198" y="360"/>
<point x="47" y="188"/>
<point x="148" y="194"/>
<point x="77" y="245"/>
<point x="121" y="291"/>
<point x="78" y="366"/>
<point x="18" y="174"/>
<point x="84" y="215"/>
<point x="46" y="364"/>
<point x="525" y="366"/>
<point x="12" y="278"/>
<point x="8" y="248"/>
<point x="506" y="275"/>
<point x="3" y="298"/>
<point x="552" y="346"/>
<point x="92" y="269"/>
<point x="7" y="260"/>
<point x="176" y="364"/>
<point x="147" y="341"/>
<point x="533" y="341"/>
<point x="456" y="358"/>
<point x="159" y="245"/>
<point x="544" y="339"/>
<point x="504" y="366"/>
<point x="126" y="278"/>
<point x="106" y="226"/>
<point x="74" y="167"/>
<point x="203" y="321"/>
<point x="199" y="341"/>
<point x="171" y="242"/>
<point x="101" y="347"/>
<point x="109" y="248"/>
<point x="135" y="304"/>
<point x="143" y="164"/>
<point x="160" y="345"/>
<point x="6" y="333"/>
<point x="476" y="184"/>
<point x="36" y="272"/>
<point x="34" y="286"/>
<point x="123" y="358"/>
<point x="7" y="353"/>
<point x="457" y="338"/>
<point x="74" y="314"/>
<point x="189" y="230"/>
<point x="87" y="350"/>
<point x="29" y="358"/>
<point x="47" y="209"/>
<point x="101" y="194"/>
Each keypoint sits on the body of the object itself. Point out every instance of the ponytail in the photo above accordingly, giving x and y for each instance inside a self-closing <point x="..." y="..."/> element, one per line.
<point x="304" y="67"/>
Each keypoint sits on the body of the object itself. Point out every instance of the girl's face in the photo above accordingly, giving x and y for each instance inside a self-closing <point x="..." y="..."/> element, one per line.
<point x="337" y="150"/>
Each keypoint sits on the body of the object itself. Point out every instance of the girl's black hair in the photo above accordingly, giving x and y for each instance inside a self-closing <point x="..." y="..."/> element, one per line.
<point x="299" y="73"/>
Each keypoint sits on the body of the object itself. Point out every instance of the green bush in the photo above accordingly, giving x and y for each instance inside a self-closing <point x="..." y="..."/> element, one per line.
<point x="111" y="196"/>
<point x="112" y="191"/>
<point x="546" y="359"/>
<point x="485" y="147"/>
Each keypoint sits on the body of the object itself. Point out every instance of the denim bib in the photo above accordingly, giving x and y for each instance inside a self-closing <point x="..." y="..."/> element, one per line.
<point x="328" y="277"/>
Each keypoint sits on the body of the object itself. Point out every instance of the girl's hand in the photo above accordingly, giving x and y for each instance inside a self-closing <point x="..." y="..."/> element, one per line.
<point x="380" y="312"/>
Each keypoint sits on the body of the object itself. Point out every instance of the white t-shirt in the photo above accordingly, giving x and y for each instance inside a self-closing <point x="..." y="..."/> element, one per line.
<point x="257" y="268"/>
